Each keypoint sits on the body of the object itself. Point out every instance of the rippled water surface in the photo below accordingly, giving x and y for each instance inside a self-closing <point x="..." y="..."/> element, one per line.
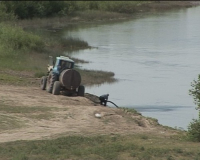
<point x="155" y="57"/>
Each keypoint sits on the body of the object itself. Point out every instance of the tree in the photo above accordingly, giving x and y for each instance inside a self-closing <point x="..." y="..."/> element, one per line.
<point x="4" y="15"/>
<point x="41" y="9"/>
<point x="194" y="130"/>
<point x="195" y="91"/>
<point x="194" y="126"/>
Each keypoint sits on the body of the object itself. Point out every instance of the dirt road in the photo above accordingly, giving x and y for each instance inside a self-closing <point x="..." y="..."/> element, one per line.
<point x="28" y="113"/>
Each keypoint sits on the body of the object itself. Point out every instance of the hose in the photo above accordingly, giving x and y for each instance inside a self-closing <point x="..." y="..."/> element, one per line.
<point x="89" y="96"/>
<point x="113" y="103"/>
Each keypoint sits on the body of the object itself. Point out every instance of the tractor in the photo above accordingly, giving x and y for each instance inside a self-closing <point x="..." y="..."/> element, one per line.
<point x="62" y="77"/>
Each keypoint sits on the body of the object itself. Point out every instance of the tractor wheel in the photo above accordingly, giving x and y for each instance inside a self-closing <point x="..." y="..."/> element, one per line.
<point x="43" y="82"/>
<point x="50" y="82"/>
<point x="56" y="88"/>
<point x="81" y="91"/>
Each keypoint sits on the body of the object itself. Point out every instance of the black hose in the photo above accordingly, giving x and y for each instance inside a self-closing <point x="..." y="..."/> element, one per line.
<point x="113" y="103"/>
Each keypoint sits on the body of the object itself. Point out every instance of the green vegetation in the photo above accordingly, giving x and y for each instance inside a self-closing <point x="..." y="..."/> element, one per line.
<point x="28" y="50"/>
<point x="195" y="91"/>
<point x="23" y="109"/>
<point x="15" y="47"/>
<point x="14" y="38"/>
<point x="19" y="50"/>
<point x="111" y="6"/>
<point x="194" y="126"/>
<point x="4" y="15"/>
<point x="8" y="122"/>
<point x="31" y="9"/>
<point x="13" y="79"/>
<point x="130" y="110"/>
<point x="11" y="117"/>
<point x="194" y="130"/>
<point x="43" y="9"/>
<point x="137" y="146"/>
<point x="93" y="77"/>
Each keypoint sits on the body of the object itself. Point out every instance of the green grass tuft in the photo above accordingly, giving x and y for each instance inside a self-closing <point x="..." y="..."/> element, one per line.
<point x="14" y="38"/>
<point x="101" y="147"/>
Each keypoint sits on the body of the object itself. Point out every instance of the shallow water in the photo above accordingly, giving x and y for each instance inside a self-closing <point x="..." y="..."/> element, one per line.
<point x="155" y="57"/>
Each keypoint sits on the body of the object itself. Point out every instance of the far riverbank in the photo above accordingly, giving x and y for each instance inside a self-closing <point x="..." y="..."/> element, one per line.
<point x="47" y="28"/>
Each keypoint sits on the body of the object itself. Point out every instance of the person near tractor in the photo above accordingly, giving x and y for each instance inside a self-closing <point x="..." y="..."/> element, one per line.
<point x="63" y="64"/>
<point x="103" y="99"/>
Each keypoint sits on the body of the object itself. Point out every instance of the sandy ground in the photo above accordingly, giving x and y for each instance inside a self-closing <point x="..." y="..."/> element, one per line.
<point x="69" y="116"/>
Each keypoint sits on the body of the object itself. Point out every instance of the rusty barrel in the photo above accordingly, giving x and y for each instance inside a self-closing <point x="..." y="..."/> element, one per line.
<point x="70" y="78"/>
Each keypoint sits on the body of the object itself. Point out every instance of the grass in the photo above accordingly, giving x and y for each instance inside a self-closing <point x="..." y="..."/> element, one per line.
<point x="8" y="122"/>
<point x="16" y="61"/>
<point x="144" y="147"/>
<point x="56" y="23"/>
<point x="27" y="77"/>
<point x="95" y="77"/>
<point x="15" y="38"/>
<point x="23" y="109"/>
<point x="139" y="121"/>
<point x="22" y="69"/>
<point x="11" y="117"/>
<point x="11" y="79"/>
<point x="130" y="110"/>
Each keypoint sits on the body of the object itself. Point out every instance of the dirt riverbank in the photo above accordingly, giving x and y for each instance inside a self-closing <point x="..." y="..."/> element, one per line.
<point x="28" y="113"/>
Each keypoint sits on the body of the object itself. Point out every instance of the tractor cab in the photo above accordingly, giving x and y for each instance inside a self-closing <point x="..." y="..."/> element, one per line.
<point x="61" y="64"/>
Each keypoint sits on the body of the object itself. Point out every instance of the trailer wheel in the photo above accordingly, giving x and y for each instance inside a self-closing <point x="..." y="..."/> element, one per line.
<point x="50" y="82"/>
<point x="43" y="82"/>
<point x="56" y="88"/>
<point x="81" y="91"/>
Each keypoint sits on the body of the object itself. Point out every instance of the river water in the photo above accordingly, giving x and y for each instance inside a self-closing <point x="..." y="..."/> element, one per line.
<point x="155" y="57"/>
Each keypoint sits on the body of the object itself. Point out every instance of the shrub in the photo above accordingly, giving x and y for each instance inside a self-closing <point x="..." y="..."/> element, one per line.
<point x="39" y="74"/>
<point x="4" y="16"/>
<point x="15" y="38"/>
<point x="113" y="6"/>
<point x="194" y="126"/>
<point x="32" y="9"/>
<point x="41" y="9"/>
<point x="195" y="91"/>
<point x="194" y="130"/>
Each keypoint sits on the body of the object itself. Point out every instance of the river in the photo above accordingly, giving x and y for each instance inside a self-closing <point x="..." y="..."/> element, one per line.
<point x="155" y="57"/>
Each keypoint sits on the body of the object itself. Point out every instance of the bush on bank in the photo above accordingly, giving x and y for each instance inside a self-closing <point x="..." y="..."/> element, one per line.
<point x="112" y="6"/>
<point x="194" y="130"/>
<point x="4" y="15"/>
<point x="41" y="9"/>
<point x="30" y="9"/>
<point x="194" y="126"/>
<point x="15" y="38"/>
<point x="44" y="9"/>
<point x="195" y="91"/>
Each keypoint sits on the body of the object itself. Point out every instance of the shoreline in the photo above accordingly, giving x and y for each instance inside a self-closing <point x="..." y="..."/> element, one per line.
<point x="93" y="16"/>
<point x="57" y="45"/>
